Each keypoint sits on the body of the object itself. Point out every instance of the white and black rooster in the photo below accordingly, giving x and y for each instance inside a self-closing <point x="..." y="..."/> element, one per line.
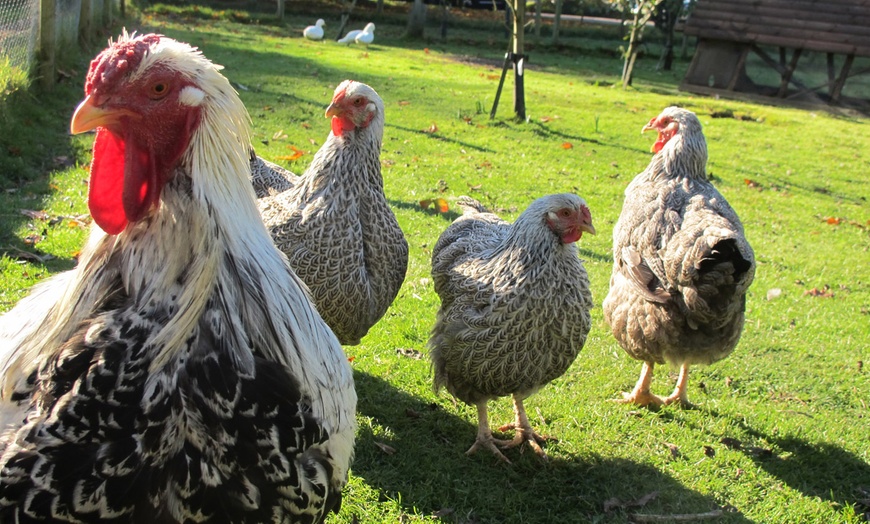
<point x="681" y="262"/>
<point x="334" y="222"/>
<point x="180" y="373"/>
<point x="515" y="304"/>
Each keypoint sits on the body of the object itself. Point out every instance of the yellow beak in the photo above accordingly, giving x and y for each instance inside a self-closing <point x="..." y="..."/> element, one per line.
<point x="88" y="116"/>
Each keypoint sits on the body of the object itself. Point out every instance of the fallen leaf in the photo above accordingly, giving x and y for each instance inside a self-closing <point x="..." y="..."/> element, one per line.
<point x="351" y="358"/>
<point x="674" y="449"/>
<point x="14" y="151"/>
<point x="411" y="413"/>
<point x="426" y="50"/>
<point x="751" y="183"/>
<point x="425" y="203"/>
<point x="567" y="145"/>
<point x="305" y="125"/>
<point x="410" y="353"/>
<point x="36" y="215"/>
<point x="545" y="119"/>
<point x="834" y="221"/>
<point x="404" y="102"/>
<point x="493" y="77"/>
<point x="441" y="205"/>
<point x="709" y="451"/>
<point x="816" y="292"/>
<point x="389" y="450"/>
<point x="443" y="512"/>
<point x="32" y="240"/>
<point x="279" y="135"/>
<point x="732" y="443"/>
<point x="432" y="129"/>
<point x="296" y="154"/>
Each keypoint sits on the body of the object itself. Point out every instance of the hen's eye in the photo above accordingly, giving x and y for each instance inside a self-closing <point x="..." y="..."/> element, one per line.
<point x="358" y="102"/>
<point x="159" y="90"/>
<point x="565" y="213"/>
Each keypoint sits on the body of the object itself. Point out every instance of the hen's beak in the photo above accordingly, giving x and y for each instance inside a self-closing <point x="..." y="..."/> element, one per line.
<point x="587" y="227"/>
<point x="88" y="116"/>
<point x="333" y="110"/>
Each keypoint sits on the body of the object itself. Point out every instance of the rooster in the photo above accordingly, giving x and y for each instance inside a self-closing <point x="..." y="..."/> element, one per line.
<point x="180" y="372"/>
<point x="515" y="304"/>
<point x="334" y="222"/>
<point x="681" y="263"/>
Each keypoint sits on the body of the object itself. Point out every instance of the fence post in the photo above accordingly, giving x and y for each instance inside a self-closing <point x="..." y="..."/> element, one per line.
<point x="107" y="13"/>
<point x="86" y="21"/>
<point x="47" y="42"/>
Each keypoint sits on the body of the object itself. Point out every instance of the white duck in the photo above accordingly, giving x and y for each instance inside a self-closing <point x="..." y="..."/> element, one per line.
<point x="314" y="32"/>
<point x="367" y="36"/>
<point x="351" y="36"/>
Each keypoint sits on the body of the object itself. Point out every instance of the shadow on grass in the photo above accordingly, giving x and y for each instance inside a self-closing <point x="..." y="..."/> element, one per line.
<point x="816" y="469"/>
<point x="430" y="474"/>
<point x="449" y="216"/>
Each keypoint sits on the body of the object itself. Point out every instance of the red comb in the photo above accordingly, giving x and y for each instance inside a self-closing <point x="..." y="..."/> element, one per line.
<point x="118" y="59"/>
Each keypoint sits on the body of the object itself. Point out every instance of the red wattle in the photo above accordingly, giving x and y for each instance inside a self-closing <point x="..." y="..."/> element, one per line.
<point x="340" y="125"/>
<point x="105" y="188"/>
<point x="572" y="235"/>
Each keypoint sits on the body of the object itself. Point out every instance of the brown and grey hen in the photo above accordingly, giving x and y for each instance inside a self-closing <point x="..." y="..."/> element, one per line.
<point x="682" y="264"/>
<point x="334" y="222"/>
<point x="515" y="304"/>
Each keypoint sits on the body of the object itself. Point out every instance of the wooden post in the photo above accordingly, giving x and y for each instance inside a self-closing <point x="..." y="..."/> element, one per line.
<point x="519" y="59"/>
<point x="86" y="21"/>
<point x="841" y="81"/>
<point x="557" y="18"/>
<point x="47" y="42"/>
<point x="107" y="13"/>
<point x="786" y="76"/>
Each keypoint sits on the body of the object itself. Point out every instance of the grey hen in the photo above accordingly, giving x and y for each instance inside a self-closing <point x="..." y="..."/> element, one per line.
<point x="515" y="304"/>
<point x="334" y="222"/>
<point x="681" y="263"/>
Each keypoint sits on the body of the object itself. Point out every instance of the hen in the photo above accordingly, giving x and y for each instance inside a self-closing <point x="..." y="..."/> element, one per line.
<point x="515" y="304"/>
<point x="180" y="373"/>
<point x="334" y="222"/>
<point x="682" y="264"/>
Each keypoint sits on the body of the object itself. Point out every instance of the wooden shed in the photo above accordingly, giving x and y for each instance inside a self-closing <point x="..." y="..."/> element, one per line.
<point x="800" y="52"/>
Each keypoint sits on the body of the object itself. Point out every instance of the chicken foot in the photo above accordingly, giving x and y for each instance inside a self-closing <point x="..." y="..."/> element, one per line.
<point x="680" y="391"/>
<point x="484" y="436"/>
<point x="641" y="394"/>
<point x="524" y="431"/>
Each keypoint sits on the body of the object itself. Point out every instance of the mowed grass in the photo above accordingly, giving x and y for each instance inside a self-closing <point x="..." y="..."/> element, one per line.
<point x="780" y="432"/>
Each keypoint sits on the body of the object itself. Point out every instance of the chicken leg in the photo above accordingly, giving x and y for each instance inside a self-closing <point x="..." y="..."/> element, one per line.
<point x="484" y="435"/>
<point x="680" y="391"/>
<point x="525" y="433"/>
<point x="641" y="394"/>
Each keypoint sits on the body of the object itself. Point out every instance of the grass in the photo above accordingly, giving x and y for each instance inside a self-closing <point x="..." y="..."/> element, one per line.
<point x="779" y="434"/>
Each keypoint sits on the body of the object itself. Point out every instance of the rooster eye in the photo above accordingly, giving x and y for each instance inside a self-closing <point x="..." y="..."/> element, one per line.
<point x="159" y="90"/>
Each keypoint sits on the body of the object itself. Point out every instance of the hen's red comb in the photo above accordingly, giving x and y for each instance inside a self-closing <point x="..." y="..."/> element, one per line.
<point x="118" y="59"/>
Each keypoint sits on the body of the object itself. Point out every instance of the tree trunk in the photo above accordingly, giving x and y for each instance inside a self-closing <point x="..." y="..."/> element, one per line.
<point x="379" y="10"/>
<point x="519" y="59"/>
<point x="280" y="12"/>
<point x="557" y="18"/>
<point x="416" y="20"/>
<point x="631" y="53"/>
<point x="538" y="20"/>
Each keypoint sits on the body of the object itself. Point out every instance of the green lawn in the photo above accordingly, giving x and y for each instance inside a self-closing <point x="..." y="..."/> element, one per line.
<point x="781" y="431"/>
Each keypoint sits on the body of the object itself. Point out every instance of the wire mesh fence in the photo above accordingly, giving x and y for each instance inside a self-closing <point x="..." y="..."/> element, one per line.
<point x="19" y="25"/>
